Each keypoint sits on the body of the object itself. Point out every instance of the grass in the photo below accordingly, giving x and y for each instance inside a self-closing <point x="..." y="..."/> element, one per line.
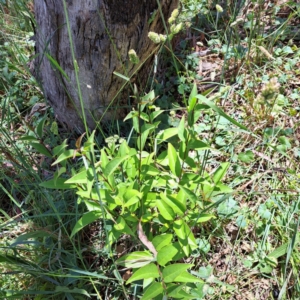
<point x="249" y="247"/>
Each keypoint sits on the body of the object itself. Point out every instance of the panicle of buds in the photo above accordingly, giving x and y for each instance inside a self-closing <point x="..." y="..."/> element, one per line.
<point x="174" y="15"/>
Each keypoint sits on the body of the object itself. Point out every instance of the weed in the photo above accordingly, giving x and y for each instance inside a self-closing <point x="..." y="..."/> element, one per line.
<point x="196" y="198"/>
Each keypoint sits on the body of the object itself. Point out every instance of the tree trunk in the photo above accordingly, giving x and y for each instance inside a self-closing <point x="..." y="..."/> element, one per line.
<point x="103" y="31"/>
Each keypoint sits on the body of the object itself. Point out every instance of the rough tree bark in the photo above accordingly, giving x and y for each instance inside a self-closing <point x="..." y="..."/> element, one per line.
<point x="103" y="32"/>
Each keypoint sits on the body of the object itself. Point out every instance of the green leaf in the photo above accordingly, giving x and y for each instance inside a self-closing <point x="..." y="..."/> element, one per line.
<point x="177" y="292"/>
<point x="221" y="172"/>
<point x="221" y="112"/>
<point x="155" y="289"/>
<point x="165" y="210"/>
<point x="136" y="259"/>
<point x="41" y="149"/>
<point x="178" y="207"/>
<point x="190" y="195"/>
<point x="121" y="76"/>
<point x="185" y="235"/>
<point x="186" y="277"/>
<point x="148" y="98"/>
<point x="155" y="114"/>
<point x="190" y="237"/>
<point x="174" y="161"/>
<point x="131" y="197"/>
<point x="204" y="217"/>
<point x="56" y="66"/>
<point x="181" y="129"/>
<point x="284" y="141"/>
<point x="166" y="134"/>
<point x="113" y="165"/>
<point x="193" y="98"/>
<point x="195" y="144"/>
<point x="57" y="183"/>
<point x="40" y="127"/>
<point x="179" y="229"/>
<point x="81" y="177"/>
<point x="271" y="261"/>
<point x="85" y="220"/>
<point x="166" y="254"/>
<point x="58" y="149"/>
<point x="90" y="274"/>
<point x="173" y="271"/>
<point x="104" y="159"/>
<point x="162" y="240"/>
<point x="65" y="289"/>
<point x="66" y="155"/>
<point x="28" y="138"/>
<point x="122" y="226"/>
<point x="30" y="235"/>
<point x="246" y="157"/>
<point x="146" y="129"/>
<point x="280" y="251"/>
<point x="148" y="271"/>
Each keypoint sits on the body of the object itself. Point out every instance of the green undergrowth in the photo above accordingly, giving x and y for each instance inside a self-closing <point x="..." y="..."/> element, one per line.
<point x="196" y="198"/>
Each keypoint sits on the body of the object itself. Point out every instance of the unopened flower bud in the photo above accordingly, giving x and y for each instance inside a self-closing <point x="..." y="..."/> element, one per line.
<point x="219" y="8"/>
<point x="154" y="37"/>
<point x="133" y="56"/>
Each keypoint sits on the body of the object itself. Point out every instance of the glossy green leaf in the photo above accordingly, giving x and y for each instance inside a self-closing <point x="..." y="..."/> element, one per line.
<point x="131" y="197"/>
<point x="190" y="237"/>
<point x="195" y="144"/>
<point x="178" y="227"/>
<point x="174" y="162"/>
<point x="136" y="259"/>
<point x="81" y="177"/>
<point x="85" y="220"/>
<point x="178" y="207"/>
<point x="193" y="98"/>
<point x="148" y="271"/>
<point x="185" y="235"/>
<point x="58" y="183"/>
<point x="221" y="172"/>
<point x="165" y="210"/>
<point x="204" y="217"/>
<point x="66" y="155"/>
<point x="166" y="134"/>
<point x="173" y="271"/>
<point x="155" y="289"/>
<point x="186" y="277"/>
<point x="29" y="138"/>
<point x="166" y="254"/>
<point x="146" y="130"/>
<point x="104" y="159"/>
<point x="60" y="148"/>
<point x="122" y="226"/>
<point x="181" y="129"/>
<point x="113" y="165"/>
<point x="190" y="194"/>
<point x="162" y="240"/>
<point x="41" y="149"/>
<point x="177" y="292"/>
<point x="40" y="127"/>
